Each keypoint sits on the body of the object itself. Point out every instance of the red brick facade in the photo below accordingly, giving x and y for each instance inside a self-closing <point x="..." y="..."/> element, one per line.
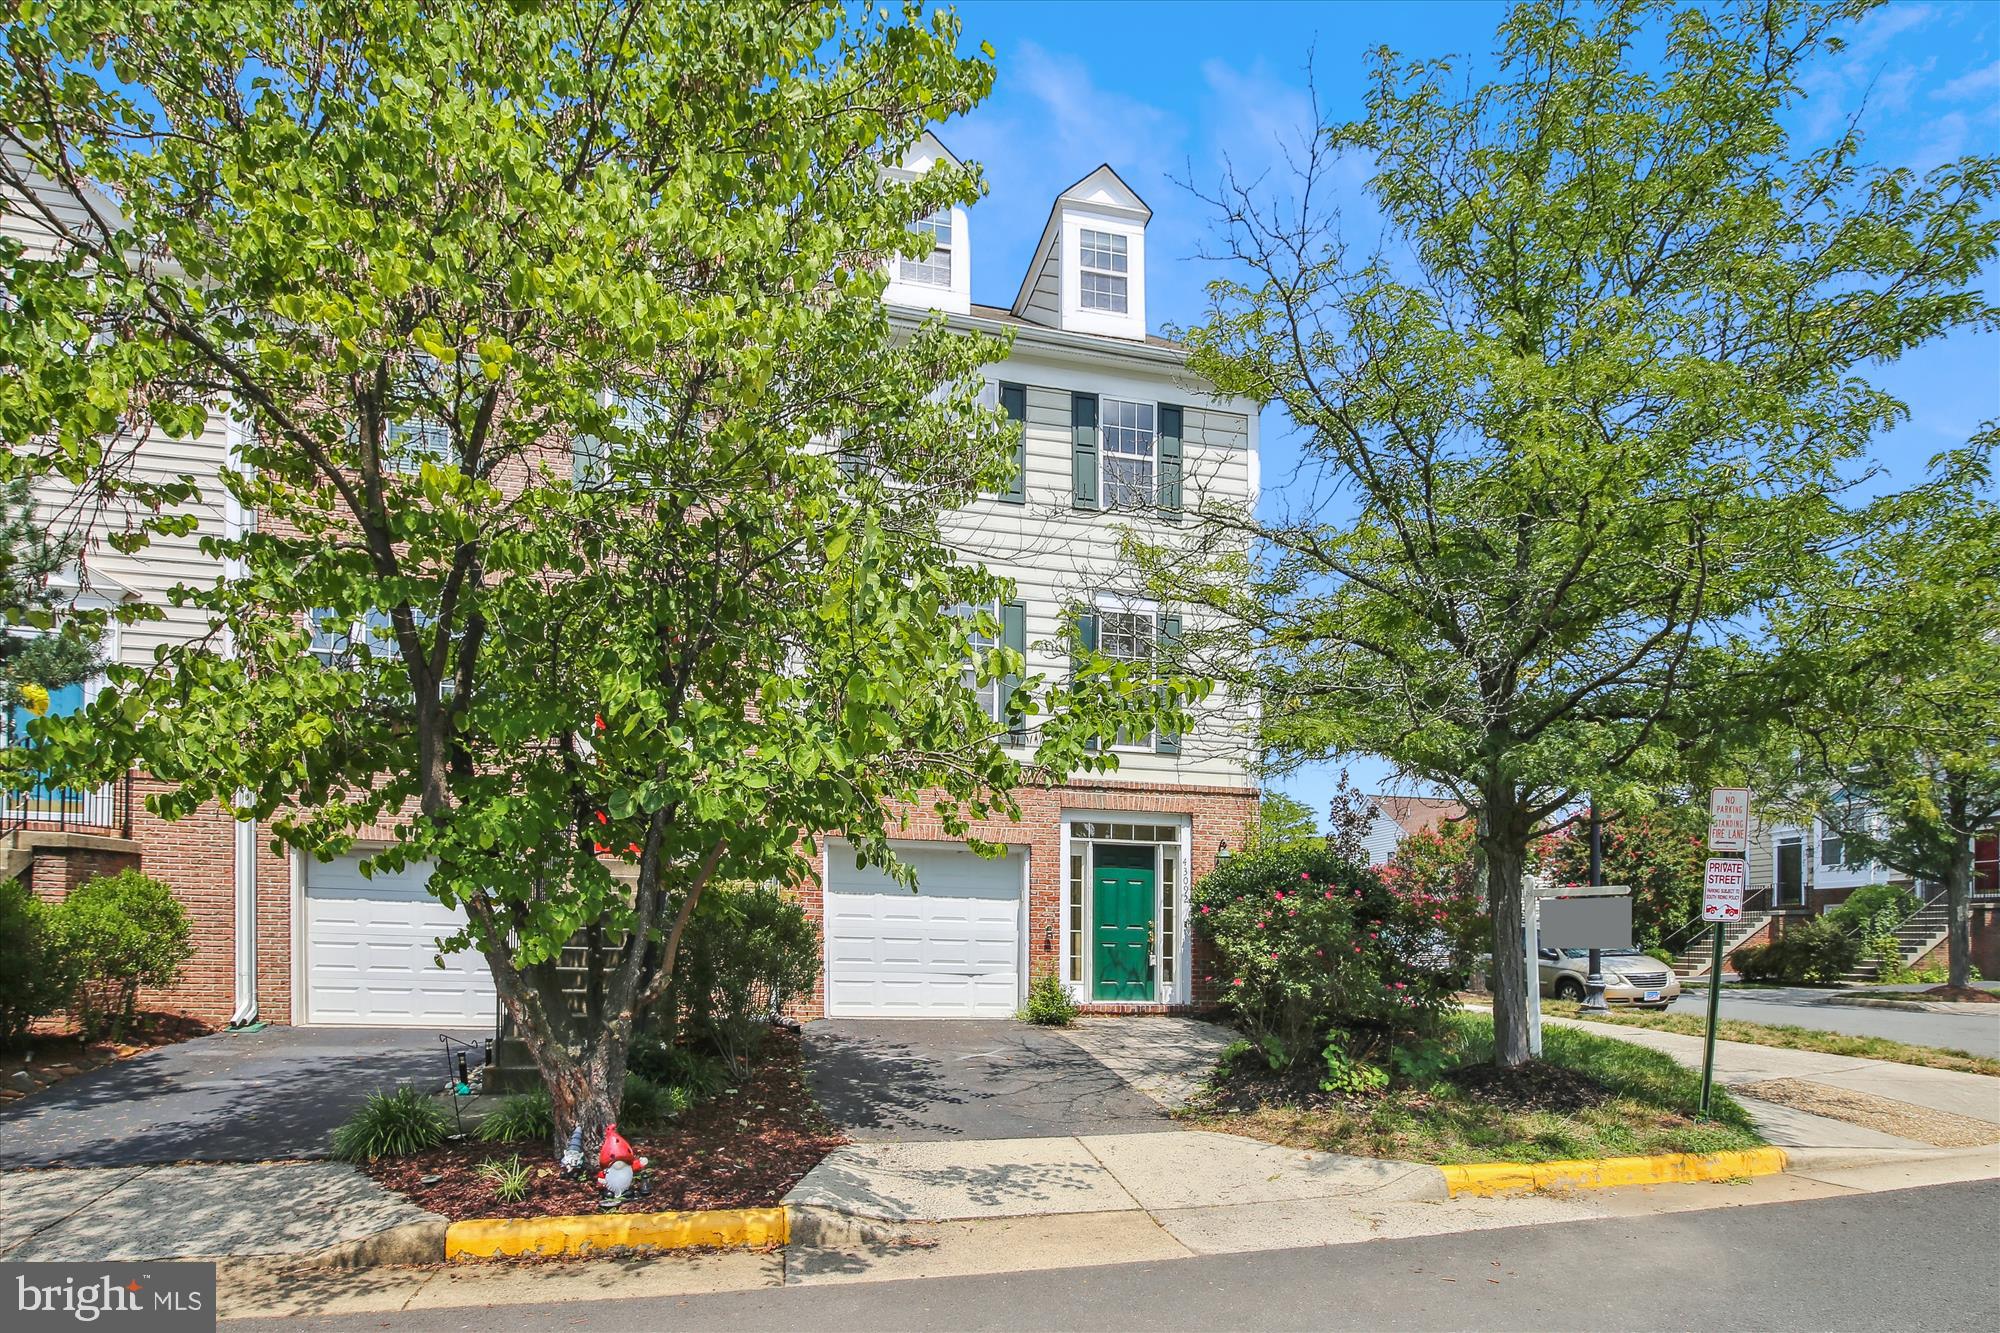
<point x="1215" y="814"/>
<point x="196" y="856"/>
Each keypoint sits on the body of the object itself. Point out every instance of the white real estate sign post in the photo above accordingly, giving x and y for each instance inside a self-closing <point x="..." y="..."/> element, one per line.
<point x="1531" y="932"/>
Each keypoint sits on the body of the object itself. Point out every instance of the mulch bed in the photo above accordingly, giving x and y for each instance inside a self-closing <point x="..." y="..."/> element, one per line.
<point x="1962" y="994"/>
<point x="742" y="1149"/>
<point x="45" y="1058"/>
<point x="1536" y="1086"/>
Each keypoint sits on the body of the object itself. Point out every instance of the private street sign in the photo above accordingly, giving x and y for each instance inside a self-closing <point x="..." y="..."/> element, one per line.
<point x="1722" y="890"/>
<point x="1729" y="819"/>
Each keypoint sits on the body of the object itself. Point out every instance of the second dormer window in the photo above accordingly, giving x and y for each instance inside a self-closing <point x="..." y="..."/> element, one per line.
<point x="934" y="269"/>
<point x="1101" y="263"/>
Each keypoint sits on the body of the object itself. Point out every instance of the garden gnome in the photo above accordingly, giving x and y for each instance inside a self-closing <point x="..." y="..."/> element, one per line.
<point x="617" y="1164"/>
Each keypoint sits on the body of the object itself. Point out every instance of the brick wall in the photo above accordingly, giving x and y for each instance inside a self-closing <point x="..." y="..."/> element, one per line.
<point x="1216" y="815"/>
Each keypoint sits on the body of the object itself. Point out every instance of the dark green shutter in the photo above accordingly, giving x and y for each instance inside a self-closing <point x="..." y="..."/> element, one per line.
<point x="1086" y="642"/>
<point x="1170" y="462"/>
<point x="1013" y="635"/>
<point x="1168" y="657"/>
<point x="1014" y="402"/>
<point x="1083" y="449"/>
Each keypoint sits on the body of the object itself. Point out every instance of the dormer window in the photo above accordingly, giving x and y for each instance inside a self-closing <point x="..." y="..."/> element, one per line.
<point x="934" y="269"/>
<point x="1102" y="270"/>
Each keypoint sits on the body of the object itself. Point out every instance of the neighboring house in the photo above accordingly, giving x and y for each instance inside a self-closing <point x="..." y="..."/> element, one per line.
<point x="1397" y="817"/>
<point x="1095" y="883"/>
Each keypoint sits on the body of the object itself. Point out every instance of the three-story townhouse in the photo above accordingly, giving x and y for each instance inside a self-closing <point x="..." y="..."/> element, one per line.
<point x="1094" y="886"/>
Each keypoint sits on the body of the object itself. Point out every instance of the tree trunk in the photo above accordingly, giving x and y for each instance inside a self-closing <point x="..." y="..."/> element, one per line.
<point x="1958" y="912"/>
<point x="581" y="1061"/>
<point x="1511" y="978"/>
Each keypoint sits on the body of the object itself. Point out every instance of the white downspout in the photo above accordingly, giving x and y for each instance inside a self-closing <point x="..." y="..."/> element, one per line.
<point x="235" y="523"/>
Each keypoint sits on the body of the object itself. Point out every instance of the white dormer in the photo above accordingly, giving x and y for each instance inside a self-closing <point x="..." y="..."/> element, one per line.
<point x="1089" y="270"/>
<point x="943" y="279"/>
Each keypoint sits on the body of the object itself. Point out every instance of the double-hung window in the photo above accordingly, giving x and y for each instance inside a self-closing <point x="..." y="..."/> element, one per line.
<point x="1102" y="271"/>
<point x="980" y="643"/>
<point x="1129" y="451"/>
<point x="1129" y="632"/>
<point x="934" y="269"/>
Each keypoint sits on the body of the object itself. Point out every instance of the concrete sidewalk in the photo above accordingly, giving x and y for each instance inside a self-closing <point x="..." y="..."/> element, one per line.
<point x="296" y="1211"/>
<point x="1951" y="1097"/>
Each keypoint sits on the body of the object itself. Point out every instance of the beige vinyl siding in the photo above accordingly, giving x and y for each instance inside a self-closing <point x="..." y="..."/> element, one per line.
<point x="1058" y="556"/>
<point x="166" y="560"/>
<point x="1045" y="301"/>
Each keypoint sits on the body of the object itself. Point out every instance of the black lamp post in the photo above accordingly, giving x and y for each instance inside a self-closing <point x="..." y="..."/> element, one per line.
<point x="1593" y="984"/>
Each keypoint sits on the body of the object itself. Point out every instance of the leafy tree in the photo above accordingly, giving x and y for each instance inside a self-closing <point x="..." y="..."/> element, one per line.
<point x="1284" y="822"/>
<point x="1570" y="433"/>
<point x="30" y="555"/>
<point x="1901" y="752"/>
<point x="544" y="325"/>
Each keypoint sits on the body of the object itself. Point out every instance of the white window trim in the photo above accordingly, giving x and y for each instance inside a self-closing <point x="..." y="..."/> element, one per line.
<point x="1106" y="455"/>
<point x="923" y="272"/>
<point x="1113" y="603"/>
<point x="1118" y="243"/>
<point x="1181" y="990"/>
<point x="995" y="708"/>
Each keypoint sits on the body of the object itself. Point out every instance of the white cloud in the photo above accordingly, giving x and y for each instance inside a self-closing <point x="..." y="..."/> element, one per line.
<point x="1983" y="82"/>
<point x="1256" y="119"/>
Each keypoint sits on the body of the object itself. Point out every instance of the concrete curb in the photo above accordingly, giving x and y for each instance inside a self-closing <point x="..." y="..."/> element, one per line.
<point x="412" y="1243"/>
<point x="1486" y="1179"/>
<point x="486" y="1238"/>
<point x="1913" y="1005"/>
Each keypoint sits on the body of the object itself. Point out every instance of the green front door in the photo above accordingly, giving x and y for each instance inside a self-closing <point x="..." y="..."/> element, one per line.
<point x="1121" y="923"/>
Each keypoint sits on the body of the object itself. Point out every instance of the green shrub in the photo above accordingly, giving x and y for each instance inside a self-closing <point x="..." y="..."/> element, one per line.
<point x="391" y="1124"/>
<point x="749" y="951"/>
<point x="1308" y="942"/>
<point x="647" y="1105"/>
<point x="1346" y="1076"/>
<point x="694" y="1074"/>
<point x="1816" y="952"/>
<point x="116" y="933"/>
<point x="1049" y="1004"/>
<point x="523" y="1116"/>
<point x="1870" y="903"/>
<point x="1660" y="956"/>
<point x="509" y="1177"/>
<point x="33" y="983"/>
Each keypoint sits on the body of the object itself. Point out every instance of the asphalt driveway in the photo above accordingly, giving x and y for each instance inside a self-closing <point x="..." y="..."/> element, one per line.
<point x="903" y="1080"/>
<point x="1978" y="1033"/>
<point x="231" y="1097"/>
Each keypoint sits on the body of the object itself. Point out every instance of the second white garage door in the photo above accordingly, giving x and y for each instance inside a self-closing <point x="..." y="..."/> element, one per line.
<point x="371" y="950"/>
<point x="950" y="950"/>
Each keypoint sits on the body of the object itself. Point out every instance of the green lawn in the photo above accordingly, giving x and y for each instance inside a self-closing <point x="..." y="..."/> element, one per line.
<point x="1636" y="1102"/>
<point x="1791" y="1038"/>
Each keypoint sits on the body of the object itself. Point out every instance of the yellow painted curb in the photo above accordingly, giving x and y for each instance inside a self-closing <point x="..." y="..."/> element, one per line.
<point x="1489" y="1178"/>
<point x="485" y="1238"/>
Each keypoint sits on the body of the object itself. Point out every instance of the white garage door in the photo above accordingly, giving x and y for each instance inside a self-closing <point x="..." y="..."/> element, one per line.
<point x="371" y="948"/>
<point x="950" y="950"/>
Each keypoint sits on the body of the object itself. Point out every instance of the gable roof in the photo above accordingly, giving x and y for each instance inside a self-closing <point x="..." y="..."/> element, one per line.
<point x="1102" y="188"/>
<point x="1418" y="814"/>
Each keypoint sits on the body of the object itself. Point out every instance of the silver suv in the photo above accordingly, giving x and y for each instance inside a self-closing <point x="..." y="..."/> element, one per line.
<point x="1630" y="977"/>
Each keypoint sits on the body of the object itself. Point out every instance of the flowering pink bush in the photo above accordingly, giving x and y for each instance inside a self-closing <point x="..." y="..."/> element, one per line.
<point x="1314" y="947"/>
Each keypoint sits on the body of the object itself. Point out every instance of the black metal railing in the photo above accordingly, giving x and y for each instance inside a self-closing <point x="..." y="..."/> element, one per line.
<point x="106" y="809"/>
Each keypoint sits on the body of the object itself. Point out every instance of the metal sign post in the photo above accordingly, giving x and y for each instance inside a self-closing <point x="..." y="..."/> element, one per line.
<point x="1721" y="904"/>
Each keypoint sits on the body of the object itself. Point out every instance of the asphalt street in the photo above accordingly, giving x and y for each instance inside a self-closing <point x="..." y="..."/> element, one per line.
<point x="1837" y="1263"/>
<point x="1978" y="1034"/>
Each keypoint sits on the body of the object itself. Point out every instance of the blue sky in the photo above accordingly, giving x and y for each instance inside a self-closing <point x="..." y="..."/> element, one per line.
<point x="1166" y="91"/>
